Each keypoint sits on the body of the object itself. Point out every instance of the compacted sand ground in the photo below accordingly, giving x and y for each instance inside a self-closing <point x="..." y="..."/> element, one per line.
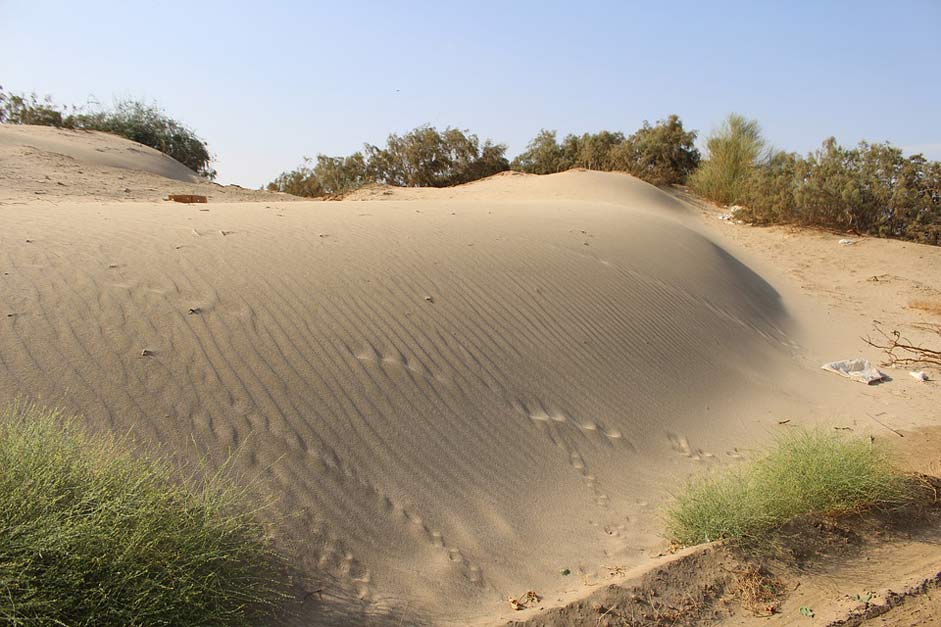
<point x="452" y="396"/>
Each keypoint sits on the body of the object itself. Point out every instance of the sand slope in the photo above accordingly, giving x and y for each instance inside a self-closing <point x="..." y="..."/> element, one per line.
<point x="46" y="163"/>
<point x="452" y="398"/>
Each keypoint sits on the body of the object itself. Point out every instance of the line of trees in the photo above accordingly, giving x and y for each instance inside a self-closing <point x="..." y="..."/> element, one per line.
<point x="872" y="189"/>
<point x="661" y="154"/>
<point x="138" y="121"/>
<point x="423" y="157"/>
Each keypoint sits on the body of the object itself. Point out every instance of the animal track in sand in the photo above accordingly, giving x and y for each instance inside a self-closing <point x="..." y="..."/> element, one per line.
<point x="577" y="462"/>
<point x="470" y="571"/>
<point x="339" y="562"/>
<point x="550" y="418"/>
<point x="359" y="579"/>
<point x="681" y="445"/>
<point x="539" y="414"/>
<point x="396" y="360"/>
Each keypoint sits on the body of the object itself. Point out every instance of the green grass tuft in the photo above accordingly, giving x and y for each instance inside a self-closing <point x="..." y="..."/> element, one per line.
<point x="806" y="472"/>
<point x="91" y="534"/>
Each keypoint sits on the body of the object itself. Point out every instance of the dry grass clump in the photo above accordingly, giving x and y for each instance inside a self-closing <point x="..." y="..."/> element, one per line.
<point x="758" y="589"/>
<point x="91" y="534"/>
<point x="806" y="472"/>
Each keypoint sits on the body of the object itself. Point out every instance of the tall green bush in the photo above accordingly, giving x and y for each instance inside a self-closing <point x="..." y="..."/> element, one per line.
<point x="662" y="154"/>
<point x="732" y="152"/>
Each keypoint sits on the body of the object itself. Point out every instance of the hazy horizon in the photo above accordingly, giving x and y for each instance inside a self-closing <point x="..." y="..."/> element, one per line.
<point x="265" y="86"/>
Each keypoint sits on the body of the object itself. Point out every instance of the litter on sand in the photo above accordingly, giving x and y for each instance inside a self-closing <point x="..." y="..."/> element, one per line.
<point x="920" y="375"/>
<point x="856" y="369"/>
<point x="847" y="242"/>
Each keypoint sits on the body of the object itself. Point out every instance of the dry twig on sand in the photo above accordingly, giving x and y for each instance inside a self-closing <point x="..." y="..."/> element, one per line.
<point x="525" y="600"/>
<point x="903" y="352"/>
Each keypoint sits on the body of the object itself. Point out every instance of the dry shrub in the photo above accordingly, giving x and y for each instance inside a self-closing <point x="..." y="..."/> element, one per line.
<point x="758" y="590"/>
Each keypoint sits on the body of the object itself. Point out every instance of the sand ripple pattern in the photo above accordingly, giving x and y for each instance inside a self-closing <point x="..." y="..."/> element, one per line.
<point x="442" y="396"/>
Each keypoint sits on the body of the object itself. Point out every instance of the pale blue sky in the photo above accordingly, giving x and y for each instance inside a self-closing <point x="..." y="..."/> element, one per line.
<point x="268" y="82"/>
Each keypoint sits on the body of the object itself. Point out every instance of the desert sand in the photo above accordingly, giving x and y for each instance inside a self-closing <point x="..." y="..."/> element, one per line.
<point x="449" y="395"/>
<point x="55" y="164"/>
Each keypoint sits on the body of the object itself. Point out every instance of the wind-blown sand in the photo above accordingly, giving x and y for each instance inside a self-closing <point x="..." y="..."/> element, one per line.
<point x="452" y="398"/>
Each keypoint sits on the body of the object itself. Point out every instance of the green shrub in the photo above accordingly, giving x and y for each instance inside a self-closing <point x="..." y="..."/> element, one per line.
<point x="149" y="125"/>
<point x="29" y="109"/>
<point x="543" y="155"/>
<point x="806" y="472"/>
<point x="423" y="157"/>
<point x="662" y="154"/>
<point x="592" y="151"/>
<point x="872" y="189"/>
<point x="768" y="192"/>
<point x="733" y="151"/>
<point x="144" y="123"/>
<point x="93" y="535"/>
<point x="327" y="177"/>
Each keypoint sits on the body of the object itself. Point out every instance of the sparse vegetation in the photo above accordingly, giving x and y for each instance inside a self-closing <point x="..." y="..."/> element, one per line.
<point x="29" y="109"/>
<point x="91" y="534"/>
<point x="806" y="472"/>
<point x="144" y="123"/>
<point x="423" y="157"/>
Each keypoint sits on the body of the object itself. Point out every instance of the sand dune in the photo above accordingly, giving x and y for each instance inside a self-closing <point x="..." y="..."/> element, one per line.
<point x="94" y="147"/>
<point x="452" y="397"/>
<point x="41" y="162"/>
